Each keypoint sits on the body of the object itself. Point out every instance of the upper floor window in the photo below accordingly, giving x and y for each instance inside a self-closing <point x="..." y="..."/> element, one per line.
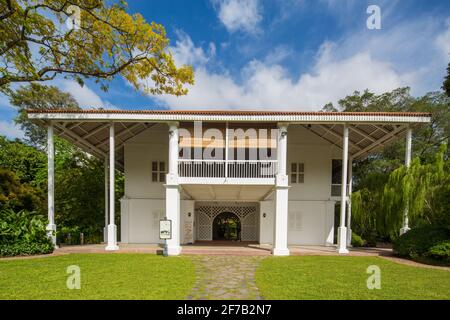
<point x="158" y="171"/>
<point x="297" y="172"/>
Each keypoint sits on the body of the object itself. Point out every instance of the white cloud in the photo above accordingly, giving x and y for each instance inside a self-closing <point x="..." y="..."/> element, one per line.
<point x="271" y="87"/>
<point x="412" y="53"/>
<point x="185" y="52"/>
<point x="85" y="97"/>
<point x="239" y="15"/>
<point x="10" y="130"/>
<point x="278" y="54"/>
<point x="443" y="41"/>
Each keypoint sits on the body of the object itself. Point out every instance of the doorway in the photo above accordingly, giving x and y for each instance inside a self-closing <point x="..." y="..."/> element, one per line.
<point x="227" y="226"/>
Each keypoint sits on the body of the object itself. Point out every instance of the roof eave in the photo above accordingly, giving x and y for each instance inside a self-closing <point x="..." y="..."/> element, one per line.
<point x="291" y="118"/>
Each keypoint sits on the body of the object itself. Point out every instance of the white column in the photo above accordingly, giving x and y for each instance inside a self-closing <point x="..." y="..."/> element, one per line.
<point x="105" y="229"/>
<point x="226" y="150"/>
<point x="112" y="228"/>
<point x="281" y="196"/>
<point x="349" y="202"/>
<point x="173" y="193"/>
<point x="342" y="230"/>
<point x="51" y="227"/>
<point x="405" y="228"/>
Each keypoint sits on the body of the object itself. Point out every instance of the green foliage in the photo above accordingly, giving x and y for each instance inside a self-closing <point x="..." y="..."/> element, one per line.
<point x="367" y="215"/>
<point x="440" y="251"/>
<point x="357" y="241"/>
<point x="38" y="97"/>
<point x="446" y="84"/>
<point x="17" y="196"/>
<point x="79" y="185"/>
<point x="22" y="225"/>
<point x="23" y="248"/>
<point x="80" y="191"/>
<point x="417" y="242"/>
<point x="25" y="161"/>
<point x="36" y="45"/>
<point x="411" y="188"/>
<point x="79" y="178"/>
<point x="380" y="195"/>
<point x="23" y="233"/>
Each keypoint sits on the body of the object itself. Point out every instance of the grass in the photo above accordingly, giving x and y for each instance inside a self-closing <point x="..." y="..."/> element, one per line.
<point x="103" y="276"/>
<point x="144" y="276"/>
<point x="320" y="277"/>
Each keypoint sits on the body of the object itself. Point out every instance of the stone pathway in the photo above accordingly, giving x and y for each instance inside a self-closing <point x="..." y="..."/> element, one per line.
<point x="225" y="277"/>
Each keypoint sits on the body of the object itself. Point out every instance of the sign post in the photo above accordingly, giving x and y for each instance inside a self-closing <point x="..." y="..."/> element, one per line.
<point x="165" y="233"/>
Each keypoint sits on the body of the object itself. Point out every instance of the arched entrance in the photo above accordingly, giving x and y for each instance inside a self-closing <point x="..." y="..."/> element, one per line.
<point x="226" y="226"/>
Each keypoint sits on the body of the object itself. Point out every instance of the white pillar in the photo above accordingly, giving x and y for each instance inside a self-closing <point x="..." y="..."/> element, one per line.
<point x="112" y="228"/>
<point x="405" y="228"/>
<point x="349" y="202"/>
<point x="105" y="229"/>
<point x="281" y="196"/>
<point x="342" y="230"/>
<point x="227" y="143"/>
<point x="51" y="227"/>
<point x="173" y="193"/>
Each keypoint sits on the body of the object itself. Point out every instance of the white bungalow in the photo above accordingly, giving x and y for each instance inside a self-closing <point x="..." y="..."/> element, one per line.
<point x="269" y="177"/>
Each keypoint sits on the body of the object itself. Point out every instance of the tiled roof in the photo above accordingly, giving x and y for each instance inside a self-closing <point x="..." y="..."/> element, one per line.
<point x="231" y="112"/>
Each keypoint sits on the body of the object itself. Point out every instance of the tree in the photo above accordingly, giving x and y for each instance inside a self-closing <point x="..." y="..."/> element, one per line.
<point x="79" y="178"/>
<point x="36" y="96"/>
<point x="27" y="163"/>
<point x="370" y="219"/>
<point x="446" y="84"/>
<point x="103" y="41"/>
<point x="413" y="188"/>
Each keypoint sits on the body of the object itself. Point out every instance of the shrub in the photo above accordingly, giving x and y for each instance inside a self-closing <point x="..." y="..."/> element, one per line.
<point x="416" y="242"/>
<point x="441" y="251"/>
<point x="23" y="233"/>
<point x="25" y="248"/>
<point x="357" y="241"/>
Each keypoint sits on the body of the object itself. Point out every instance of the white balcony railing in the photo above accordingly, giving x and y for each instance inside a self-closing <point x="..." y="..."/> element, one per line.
<point x="196" y="168"/>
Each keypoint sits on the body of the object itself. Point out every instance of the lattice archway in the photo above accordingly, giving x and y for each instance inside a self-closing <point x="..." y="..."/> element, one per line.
<point x="205" y="212"/>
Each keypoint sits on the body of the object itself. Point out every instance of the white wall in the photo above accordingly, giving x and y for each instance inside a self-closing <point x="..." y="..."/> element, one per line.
<point x="140" y="220"/>
<point x="144" y="202"/>
<point x="151" y="145"/>
<point x="308" y="222"/>
<point x="311" y="200"/>
<point x="266" y="218"/>
<point x="315" y="226"/>
<point x="316" y="154"/>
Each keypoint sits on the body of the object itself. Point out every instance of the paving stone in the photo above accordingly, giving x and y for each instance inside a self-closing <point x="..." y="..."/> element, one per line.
<point x="225" y="277"/>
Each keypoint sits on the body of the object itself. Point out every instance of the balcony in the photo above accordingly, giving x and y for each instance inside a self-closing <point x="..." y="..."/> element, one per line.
<point x="198" y="171"/>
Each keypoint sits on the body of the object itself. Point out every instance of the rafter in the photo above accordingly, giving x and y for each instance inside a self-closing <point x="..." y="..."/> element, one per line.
<point x="379" y="142"/>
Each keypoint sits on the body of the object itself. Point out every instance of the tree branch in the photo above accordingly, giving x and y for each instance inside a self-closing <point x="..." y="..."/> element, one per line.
<point x="8" y="13"/>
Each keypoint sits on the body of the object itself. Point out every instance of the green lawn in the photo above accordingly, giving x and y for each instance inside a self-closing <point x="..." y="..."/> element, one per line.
<point x="315" y="277"/>
<point x="145" y="276"/>
<point x="103" y="276"/>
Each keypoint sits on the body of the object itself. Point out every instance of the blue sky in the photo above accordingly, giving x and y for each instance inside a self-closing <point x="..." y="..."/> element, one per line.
<point x="283" y="54"/>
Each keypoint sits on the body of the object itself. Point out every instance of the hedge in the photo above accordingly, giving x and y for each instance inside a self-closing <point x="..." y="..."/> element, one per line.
<point x="419" y="241"/>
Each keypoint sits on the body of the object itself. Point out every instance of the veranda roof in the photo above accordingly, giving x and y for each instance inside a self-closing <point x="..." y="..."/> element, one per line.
<point x="89" y="129"/>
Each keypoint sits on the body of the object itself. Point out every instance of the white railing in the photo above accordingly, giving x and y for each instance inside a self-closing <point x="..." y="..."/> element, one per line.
<point x="192" y="168"/>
